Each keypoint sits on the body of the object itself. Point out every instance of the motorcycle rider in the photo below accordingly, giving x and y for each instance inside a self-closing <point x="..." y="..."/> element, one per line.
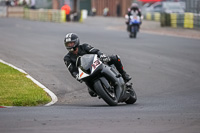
<point x="72" y="41"/>
<point x="134" y="9"/>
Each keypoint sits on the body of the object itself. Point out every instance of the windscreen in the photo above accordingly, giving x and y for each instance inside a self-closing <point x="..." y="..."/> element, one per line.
<point x="87" y="61"/>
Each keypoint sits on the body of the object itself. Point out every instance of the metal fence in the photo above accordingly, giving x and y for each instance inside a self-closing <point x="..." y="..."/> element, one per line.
<point x="193" y="6"/>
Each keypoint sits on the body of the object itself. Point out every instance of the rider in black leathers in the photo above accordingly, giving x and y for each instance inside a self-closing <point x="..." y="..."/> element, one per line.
<point x="75" y="50"/>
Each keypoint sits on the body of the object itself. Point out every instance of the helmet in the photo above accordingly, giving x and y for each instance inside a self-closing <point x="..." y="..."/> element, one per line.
<point x="69" y="38"/>
<point x="134" y="5"/>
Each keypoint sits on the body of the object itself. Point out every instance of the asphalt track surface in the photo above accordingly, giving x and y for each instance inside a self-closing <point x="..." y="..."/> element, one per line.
<point x="165" y="71"/>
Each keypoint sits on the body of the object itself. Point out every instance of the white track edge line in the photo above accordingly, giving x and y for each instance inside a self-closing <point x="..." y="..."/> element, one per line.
<point x="54" y="98"/>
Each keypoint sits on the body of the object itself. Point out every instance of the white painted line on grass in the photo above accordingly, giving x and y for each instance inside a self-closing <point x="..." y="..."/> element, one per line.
<point x="54" y="98"/>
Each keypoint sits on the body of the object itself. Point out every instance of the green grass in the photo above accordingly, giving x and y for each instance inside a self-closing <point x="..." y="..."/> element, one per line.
<point x="17" y="90"/>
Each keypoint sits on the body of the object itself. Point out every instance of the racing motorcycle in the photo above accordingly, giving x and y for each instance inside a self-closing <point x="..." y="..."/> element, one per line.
<point x="134" y="23"/>
<point x="104" y="80"/>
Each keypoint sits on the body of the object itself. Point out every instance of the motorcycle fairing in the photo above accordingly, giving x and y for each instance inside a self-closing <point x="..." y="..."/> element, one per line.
<point x="134" y="20"/>
<point x="85" y="68"/>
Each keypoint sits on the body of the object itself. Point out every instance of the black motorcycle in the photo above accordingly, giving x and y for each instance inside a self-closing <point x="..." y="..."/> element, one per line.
<point x="105" y="81"/>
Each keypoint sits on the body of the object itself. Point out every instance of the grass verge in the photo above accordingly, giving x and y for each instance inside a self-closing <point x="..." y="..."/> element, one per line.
<point x="17" y="90"/>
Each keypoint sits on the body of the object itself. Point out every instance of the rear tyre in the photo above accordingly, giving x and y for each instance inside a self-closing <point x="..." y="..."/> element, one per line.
<point x="107" y="95"/>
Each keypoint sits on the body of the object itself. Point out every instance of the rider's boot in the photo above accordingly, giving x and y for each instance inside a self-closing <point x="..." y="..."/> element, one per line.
<point x="126" y="77"/>
<point x="120" y="68"/>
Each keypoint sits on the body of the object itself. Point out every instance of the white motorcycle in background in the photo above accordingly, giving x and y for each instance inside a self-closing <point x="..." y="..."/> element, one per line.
<point x="134" y="22"/>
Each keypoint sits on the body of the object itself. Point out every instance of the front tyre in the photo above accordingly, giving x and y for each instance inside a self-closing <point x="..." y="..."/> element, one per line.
<point x="107" y="95"/>
<point x="133" y="98"/>
<point x="135" y="31"/>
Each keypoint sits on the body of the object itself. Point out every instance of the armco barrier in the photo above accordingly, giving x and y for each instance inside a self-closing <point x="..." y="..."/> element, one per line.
<point x="196" y="21"/>
<point x="36" y="15"/>
<point x="17" y="12"/>
<point x="152" y="16"/>
<point x="165" y="19"/>
<point x="45" y="15"/>
<point x="189" y="20"/>
<point x="176" y="20"/>
<point x="186" y="20"/>
<point x="3" y="11"/>
<point x="173" y="20"/>
<point x="58" y="16"/>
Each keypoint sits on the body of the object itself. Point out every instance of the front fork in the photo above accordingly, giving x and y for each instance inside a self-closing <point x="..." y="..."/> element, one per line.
<point x="112" y="75"/>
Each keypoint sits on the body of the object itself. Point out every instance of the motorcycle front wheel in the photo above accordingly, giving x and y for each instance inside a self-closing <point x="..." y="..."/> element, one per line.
<point x="133" y="32"/>
<point x="133" y="98"/>
<point x="106" y="94"/>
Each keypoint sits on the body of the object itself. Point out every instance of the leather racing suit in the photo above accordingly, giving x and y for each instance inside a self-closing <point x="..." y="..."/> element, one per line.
<point x="70" y="59"/>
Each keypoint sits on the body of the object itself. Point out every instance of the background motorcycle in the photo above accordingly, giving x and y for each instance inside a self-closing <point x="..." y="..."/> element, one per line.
<point x="133" y="22"/>
<point x="104" y="80"/>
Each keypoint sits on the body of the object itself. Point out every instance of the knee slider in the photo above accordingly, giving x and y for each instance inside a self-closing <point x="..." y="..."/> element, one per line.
<point x="118" y="58"/>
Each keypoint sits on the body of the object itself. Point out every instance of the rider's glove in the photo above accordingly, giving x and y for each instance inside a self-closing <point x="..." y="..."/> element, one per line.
<point x="77" y="78"/>
<point x="104" y="58"/>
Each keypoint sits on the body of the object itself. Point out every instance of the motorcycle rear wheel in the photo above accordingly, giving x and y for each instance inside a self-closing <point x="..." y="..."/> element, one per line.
<point x="108" y="96"/>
